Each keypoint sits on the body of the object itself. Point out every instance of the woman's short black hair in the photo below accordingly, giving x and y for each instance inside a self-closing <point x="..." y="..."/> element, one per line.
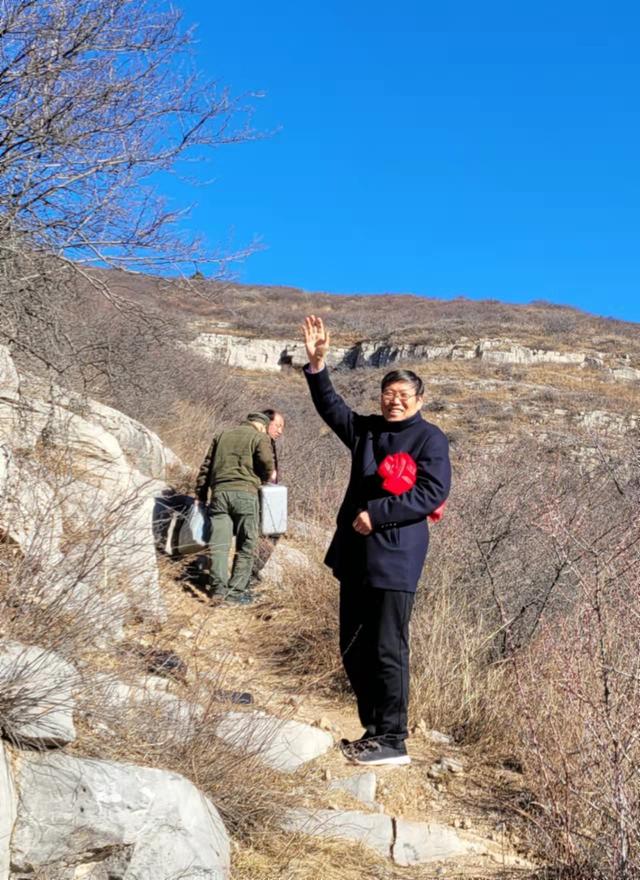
<point x="404" y="376"/>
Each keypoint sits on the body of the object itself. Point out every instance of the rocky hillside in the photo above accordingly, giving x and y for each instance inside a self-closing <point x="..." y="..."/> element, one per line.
<point x="93" y="724"/>
<point x="172" y="738"/>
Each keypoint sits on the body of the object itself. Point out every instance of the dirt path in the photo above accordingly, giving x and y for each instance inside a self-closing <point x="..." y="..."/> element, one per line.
<point x="228" y="642"/>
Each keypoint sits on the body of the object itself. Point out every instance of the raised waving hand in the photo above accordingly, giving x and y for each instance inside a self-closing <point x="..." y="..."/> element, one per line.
<point x="316" y="339"/>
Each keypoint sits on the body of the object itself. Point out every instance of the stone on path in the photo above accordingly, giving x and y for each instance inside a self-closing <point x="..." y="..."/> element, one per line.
<point x="419" y="842"/>
<point x="407" y="843"/>
<point x="371" y="829"/>
<point x="283" y="745"/>
<point x="362" y="786"/>
<point x="161" y="716"/>
<point x="81" y="812"/>
<point x="36" y="689"/>
<point x="437" y="737"/>
<point x="452" y="765"/>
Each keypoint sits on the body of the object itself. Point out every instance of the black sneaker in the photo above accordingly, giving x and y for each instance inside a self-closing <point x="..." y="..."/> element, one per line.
<point x="344" y="744"/>
<point x="374" y="753"/>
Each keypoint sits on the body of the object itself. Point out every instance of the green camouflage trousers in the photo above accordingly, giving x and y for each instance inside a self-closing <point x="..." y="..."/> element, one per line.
<point x="233" y="513"/>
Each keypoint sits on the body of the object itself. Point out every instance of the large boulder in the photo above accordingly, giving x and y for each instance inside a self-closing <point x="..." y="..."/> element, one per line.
<point x="91" y="485"/>
<point x="121" y="552"/>
<point x="141" y="448"/>
<point x="29" y="511"/>
<point x="36" y="695"/>
<point x="149" y="824"/>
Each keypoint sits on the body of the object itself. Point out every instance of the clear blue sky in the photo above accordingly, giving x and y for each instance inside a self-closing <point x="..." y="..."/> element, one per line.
<point x="490" y="150"/>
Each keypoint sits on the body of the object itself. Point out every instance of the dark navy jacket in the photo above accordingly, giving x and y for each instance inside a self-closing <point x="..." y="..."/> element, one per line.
<point x="393" y="556"/>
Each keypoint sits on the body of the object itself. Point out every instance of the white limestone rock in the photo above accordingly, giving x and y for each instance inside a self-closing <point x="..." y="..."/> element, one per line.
<point x="74" y="811"/>
<point x="436" y="736"/>
<point x="283" y="745"/>
<point x="605" y="422"/>
<point x="122" y="554"/>
<point x="95" y="487"/>
<point x="30" y="510"/>
<point x="9" y="381"/>
<point x="373" y="830"/>
<point x="161" y="716"/>
<point x="503" y="351"/>
<point x="36" y="687"/>
<point x="7" y="813"/>
<point x="383" y="353"/>
<point x="419" y="842"/>
<point x="273" y="354"/>
<point x="284" y="558"/>
<point x="626" y="374"/>
<point x="250" y="353"/>
<point x="362" y="786"/>
<point x="142" y="448"/>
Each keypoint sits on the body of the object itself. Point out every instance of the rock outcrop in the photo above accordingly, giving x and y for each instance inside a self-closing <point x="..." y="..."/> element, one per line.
<point x="273" y="354"/>
<point x="137" y="822"/>
<point x="250" y="353"/>
<point x="76" y="472"/>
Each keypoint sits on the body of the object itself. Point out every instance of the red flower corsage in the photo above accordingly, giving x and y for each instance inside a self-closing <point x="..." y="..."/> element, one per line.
<point x="398" y="474"/>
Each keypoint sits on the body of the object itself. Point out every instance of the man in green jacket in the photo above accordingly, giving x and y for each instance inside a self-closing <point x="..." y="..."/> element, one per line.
<point x="238" y="461"/>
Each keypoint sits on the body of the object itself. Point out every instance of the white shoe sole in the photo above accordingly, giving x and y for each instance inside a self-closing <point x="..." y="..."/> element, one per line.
<point x="400" y="760"/>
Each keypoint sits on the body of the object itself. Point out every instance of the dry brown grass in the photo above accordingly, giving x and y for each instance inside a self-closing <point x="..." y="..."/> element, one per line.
<point x="489" y="558"/>
<point x="278" y="311"/>
<point x="455" y="684"/>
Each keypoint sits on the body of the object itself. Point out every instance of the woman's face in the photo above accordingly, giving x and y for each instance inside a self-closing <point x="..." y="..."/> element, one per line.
<point x="399" y="401"/>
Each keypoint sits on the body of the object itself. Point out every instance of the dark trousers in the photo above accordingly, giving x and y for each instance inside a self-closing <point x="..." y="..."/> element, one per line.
<point x="374" y="643"/>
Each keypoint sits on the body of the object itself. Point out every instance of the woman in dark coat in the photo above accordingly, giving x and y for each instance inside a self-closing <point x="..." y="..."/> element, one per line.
<point x="380" y="544"/>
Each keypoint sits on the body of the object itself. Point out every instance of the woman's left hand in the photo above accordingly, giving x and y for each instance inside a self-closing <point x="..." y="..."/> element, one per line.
<point x="362" y="523"/>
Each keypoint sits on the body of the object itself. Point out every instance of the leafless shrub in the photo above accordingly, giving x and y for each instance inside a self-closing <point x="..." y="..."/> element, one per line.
<point x="577" y="684"/>
<point x="97" y="99"/>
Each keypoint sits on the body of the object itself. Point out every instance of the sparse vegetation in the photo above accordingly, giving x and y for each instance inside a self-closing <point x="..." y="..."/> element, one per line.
<point x="524" y="633"/>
